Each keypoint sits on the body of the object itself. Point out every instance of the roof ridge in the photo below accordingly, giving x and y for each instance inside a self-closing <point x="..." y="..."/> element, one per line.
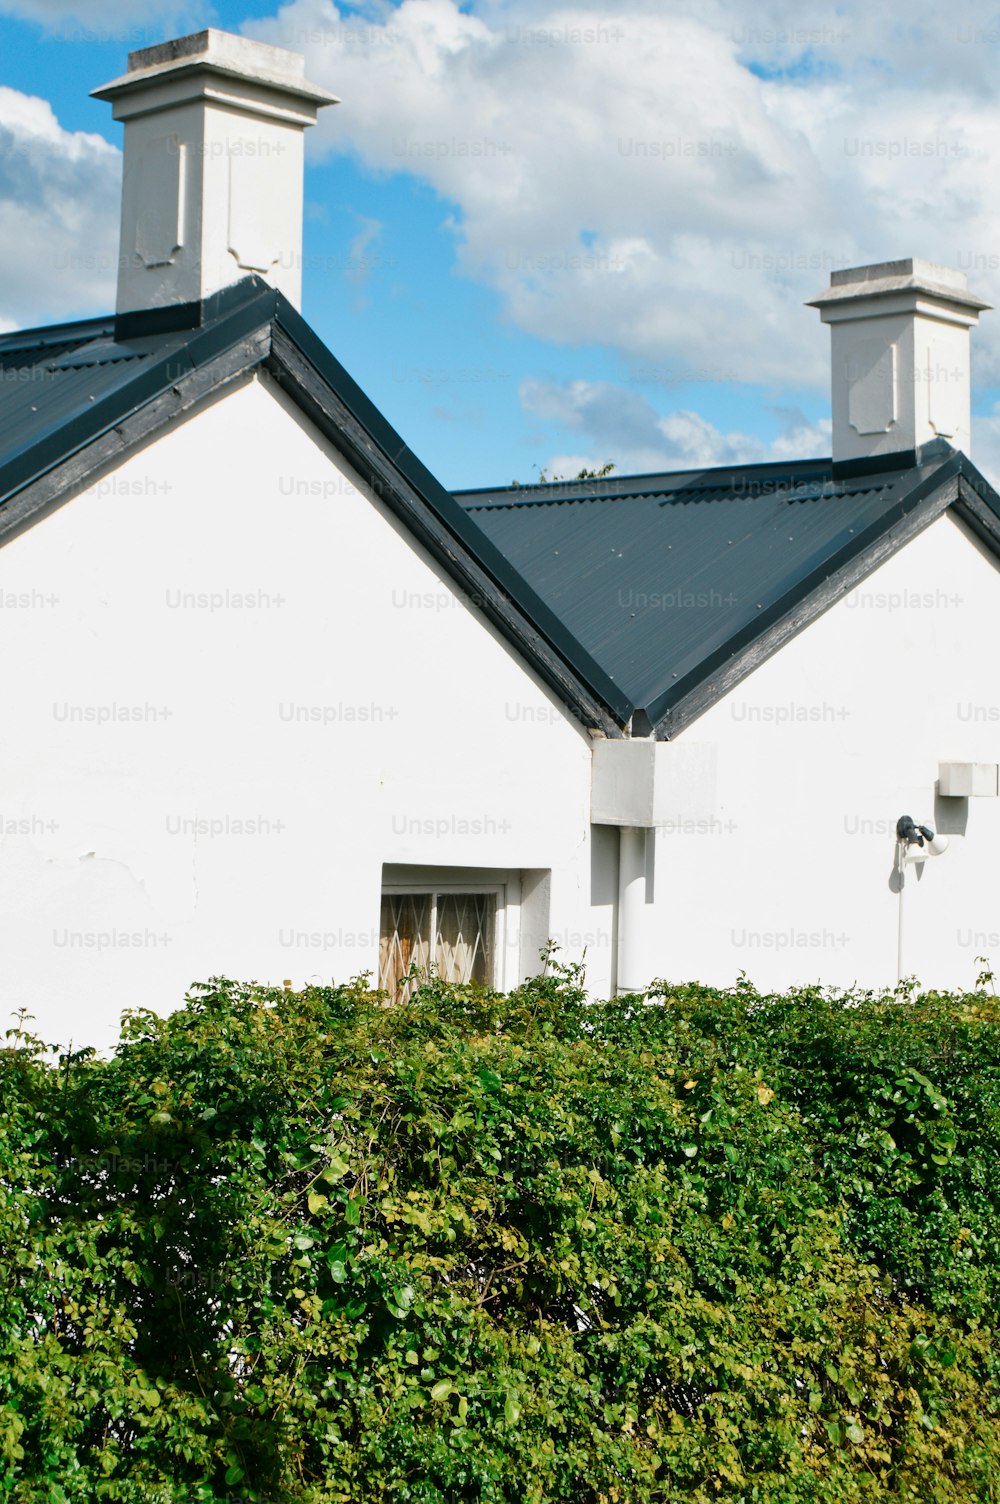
<point x="648" y="482"/>
<point x="56" y="334"/>
<point x="818" y="489"/>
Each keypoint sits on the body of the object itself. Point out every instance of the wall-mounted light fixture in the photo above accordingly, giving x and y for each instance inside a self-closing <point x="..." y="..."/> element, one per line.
<point x="918" y="842"/>
<point x="914" y="843"/>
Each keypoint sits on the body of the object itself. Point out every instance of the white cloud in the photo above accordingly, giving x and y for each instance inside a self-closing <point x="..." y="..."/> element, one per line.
<point x="59" y="194"/>
<point x="636" y="182"/>
<point x="623" y="427"/>
<point x="362" y="256"/>
<point x="671" y="186"/>
<point x="130" y="24"/>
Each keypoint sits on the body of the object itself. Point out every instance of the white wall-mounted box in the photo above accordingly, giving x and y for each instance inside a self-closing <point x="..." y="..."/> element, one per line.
<point x="968" y="780"/>
<point x="652" y="784"/>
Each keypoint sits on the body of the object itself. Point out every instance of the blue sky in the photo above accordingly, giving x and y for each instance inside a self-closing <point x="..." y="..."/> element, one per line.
<point x="540" y="237"/>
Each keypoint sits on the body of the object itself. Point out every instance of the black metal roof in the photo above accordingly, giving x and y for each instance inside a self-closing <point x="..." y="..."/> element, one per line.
<point x="76" y="398"/>
<point x="60" y="387"/>
<point x="639" y="600"/>
<point x="678" y="584"/>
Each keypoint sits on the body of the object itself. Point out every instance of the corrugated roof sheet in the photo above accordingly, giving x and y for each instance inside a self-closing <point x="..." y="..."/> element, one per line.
<point x="54" y="380"/>
<point x="61" y="387"/>
<point x="659" y="577"/>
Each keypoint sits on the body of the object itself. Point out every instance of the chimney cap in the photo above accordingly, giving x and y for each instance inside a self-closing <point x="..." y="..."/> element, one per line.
<point x="912" y="275"/>
<point x="217" y="52"/>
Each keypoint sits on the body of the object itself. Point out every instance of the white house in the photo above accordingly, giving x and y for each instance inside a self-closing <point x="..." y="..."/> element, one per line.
<point x="278" y="706"/>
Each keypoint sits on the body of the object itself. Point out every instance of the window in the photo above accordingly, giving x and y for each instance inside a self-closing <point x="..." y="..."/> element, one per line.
<point x="454" y="931"/>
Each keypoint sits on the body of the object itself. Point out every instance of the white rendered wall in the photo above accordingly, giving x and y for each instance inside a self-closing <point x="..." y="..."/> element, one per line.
<point x="428" y="743"/>
<point x="357" y="713"/>
<point x="818" y="753"/>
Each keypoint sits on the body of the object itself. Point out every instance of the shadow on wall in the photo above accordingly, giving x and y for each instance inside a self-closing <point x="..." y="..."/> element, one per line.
<point x="951" y="815"/>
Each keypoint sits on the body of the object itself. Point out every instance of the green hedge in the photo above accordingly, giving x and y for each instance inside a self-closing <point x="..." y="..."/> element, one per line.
<point x="700" y="1246"/>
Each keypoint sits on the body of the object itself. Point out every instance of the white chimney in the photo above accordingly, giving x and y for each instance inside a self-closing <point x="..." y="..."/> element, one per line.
<point x="212" y="190"/>
<point x="900" y="359"/>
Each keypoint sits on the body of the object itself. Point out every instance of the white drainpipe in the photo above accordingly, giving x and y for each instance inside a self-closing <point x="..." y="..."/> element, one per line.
<point x="631" y="908"/>
<point x="639" y="786"/>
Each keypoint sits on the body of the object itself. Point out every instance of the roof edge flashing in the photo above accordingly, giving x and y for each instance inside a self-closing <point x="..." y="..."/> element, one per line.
<point x="934" y="452"/>
<point x="381" y="438"/>
<point x="174" y="318"/>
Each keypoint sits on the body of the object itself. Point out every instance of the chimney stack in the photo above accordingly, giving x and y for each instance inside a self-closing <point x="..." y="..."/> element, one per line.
<point x="900" y="360"/>
<point x="213" y="175"/>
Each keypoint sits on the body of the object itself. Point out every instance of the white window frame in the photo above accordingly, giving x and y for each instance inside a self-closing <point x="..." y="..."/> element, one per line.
<point x="506" y="888"/>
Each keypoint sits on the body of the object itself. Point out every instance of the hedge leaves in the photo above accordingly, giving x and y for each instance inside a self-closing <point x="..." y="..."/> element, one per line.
<point x="301" y="1248"/>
